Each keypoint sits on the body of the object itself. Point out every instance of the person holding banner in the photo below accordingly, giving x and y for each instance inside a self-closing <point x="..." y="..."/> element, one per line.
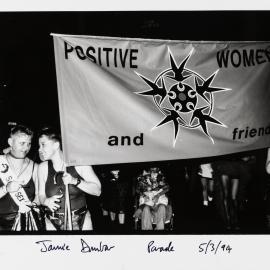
<point x="62" y="189"/>
<point x="18" y="183"/>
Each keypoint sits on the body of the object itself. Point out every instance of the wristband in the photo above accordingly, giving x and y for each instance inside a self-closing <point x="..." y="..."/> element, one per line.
<point x="78" y="182"/>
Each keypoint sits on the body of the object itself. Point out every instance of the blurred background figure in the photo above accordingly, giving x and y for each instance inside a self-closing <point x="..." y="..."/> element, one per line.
<point x="233" y="175"/>
<point x="115" y="193"/>
<point x="268" y="161"/>
<point x="267" y="193"/>
<point x="206" y="177"/>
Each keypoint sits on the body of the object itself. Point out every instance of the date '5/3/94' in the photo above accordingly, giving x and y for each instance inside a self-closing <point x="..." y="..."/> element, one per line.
<point x="214" y="247"/>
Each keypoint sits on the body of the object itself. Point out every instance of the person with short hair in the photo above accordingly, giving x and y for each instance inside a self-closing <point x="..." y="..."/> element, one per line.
<point x="54" y="175"/>
<point x="18" y="179"/>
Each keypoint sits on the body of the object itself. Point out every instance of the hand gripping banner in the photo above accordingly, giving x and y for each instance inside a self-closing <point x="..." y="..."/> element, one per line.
<point x="133" y="100"/>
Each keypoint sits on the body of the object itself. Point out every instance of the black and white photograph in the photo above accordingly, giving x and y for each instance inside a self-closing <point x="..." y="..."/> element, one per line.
<point x="135" y="123"/>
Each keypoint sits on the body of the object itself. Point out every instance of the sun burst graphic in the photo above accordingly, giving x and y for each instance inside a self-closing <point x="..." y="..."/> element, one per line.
<point x="184" y="97"/>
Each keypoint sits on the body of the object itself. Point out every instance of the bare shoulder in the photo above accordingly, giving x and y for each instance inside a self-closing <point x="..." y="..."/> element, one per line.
<point x="43" y="166"/>
<point x="83" y="168"/>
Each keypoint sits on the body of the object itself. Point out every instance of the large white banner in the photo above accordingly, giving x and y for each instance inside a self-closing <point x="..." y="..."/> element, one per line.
<point x="132" y="100"/>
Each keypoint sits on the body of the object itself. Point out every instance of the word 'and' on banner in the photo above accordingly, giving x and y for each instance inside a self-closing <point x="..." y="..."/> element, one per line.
<point x="133" y="100"/>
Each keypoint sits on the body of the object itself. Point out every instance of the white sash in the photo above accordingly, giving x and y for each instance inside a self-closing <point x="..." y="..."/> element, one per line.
<point x="7" y="175"/>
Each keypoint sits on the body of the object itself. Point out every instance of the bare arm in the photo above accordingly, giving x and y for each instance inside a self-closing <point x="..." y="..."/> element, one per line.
<point x="90" y="183"/>
<point x="164" y="190"/>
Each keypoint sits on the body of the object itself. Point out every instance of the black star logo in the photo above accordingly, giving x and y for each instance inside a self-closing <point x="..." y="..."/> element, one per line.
<point x="203" y="87"/>
<point x="203" y="118"/>
<point x="155" y="89"/>
<point x="175" y="118"/>
<point x="206" y="86"/>
<point x="178" y="71"/>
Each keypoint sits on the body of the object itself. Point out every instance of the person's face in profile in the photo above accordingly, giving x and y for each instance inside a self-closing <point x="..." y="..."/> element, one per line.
<point x="47" y="148"/>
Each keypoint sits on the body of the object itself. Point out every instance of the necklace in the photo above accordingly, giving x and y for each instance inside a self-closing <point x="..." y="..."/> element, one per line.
<point x="17" y="171"/>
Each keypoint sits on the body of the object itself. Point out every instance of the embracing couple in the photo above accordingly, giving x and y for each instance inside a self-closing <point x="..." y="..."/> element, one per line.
<point x="33" y="196"/>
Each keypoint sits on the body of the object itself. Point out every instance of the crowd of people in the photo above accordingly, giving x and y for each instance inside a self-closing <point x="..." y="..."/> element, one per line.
<point x="44" y="194"/>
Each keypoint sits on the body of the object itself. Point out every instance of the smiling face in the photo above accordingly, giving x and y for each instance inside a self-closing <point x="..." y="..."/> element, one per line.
<point x="47" y="148"/>
<point x="20" y="144"/>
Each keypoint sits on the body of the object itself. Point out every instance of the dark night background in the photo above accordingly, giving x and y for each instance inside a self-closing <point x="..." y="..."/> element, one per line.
<point x="27" y="57"/>
<point x="28" y="88"/>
